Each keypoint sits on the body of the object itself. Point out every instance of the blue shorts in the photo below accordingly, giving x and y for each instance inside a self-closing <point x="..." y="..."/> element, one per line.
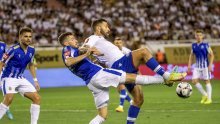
<point x="126" y="64"/>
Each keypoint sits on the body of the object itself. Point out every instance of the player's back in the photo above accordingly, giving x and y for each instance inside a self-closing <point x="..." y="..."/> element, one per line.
<point x="201" y="52"/>
<point x="85" y="69"/>
<point x="110" y="51"/>
<point x="16" y="61"/>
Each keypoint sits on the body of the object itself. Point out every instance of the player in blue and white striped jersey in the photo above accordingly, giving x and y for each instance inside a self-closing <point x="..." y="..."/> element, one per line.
<point x="97" y="79"/>
<point x="201" y="51"/>
<point x="15" y="61"/>
<point x="2" y="51"/>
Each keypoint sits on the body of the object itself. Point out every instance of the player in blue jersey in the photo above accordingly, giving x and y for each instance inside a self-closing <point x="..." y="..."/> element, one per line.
<point x="2" y="51"/>
<point x="201" y="51"/>
<point x="15" y="61"/>
<point x="128" y="63"/>
<point x="97" y="79"/>
<point x="121" y="88"/>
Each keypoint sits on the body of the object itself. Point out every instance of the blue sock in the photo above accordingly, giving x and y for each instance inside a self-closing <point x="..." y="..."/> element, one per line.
<point x="122" y="97"/>
<point x="154" y="66"/>
<point x="132" y="114"/>
<point x="128" y="98"/>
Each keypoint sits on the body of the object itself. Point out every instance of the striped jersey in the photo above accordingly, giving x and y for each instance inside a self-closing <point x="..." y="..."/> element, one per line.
<point x="84" y="69"/>
<point x="2" y="49"/>
<point x="16" y="60"/>
<point x="201" y="52"/>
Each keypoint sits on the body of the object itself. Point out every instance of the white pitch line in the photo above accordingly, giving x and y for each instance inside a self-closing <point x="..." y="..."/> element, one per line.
<point x="147" y="111"/>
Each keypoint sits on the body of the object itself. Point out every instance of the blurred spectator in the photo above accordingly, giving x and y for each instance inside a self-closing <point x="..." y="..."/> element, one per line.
<point x="134" y="20"/>
<point x="160" y="56"/>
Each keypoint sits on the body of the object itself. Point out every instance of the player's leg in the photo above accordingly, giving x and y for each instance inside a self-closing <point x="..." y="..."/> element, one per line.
<point x="101" y="117"/>
<point x="4" y="106"/>
<point x="28" y="90"/>
<point x="8" y="90"/>
<point x="35" y="106"/>
<point x="195" y="80"/>
<point x="123" y="96"/>
<point x="144" y="56"/>
<point x="138" y="100"/>
<point x="207" y="77"/>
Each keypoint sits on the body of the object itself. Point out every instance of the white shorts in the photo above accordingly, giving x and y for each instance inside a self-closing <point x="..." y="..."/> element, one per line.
<point x="14" y="85"/>
<point x="100" y="83"/>
<point x="201" y="73"/>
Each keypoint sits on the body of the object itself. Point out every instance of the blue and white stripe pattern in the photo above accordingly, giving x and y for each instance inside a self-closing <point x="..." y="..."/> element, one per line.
<point x="16" y="61"/>
<point x="201" y="52"/>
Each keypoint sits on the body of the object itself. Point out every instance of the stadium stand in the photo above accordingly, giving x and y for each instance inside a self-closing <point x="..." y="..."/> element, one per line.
<point x="140" y="20"/>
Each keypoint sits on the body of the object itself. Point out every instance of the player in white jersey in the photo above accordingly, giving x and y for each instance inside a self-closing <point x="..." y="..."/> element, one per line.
<point x="201" y="51"/>
<point x="15" y="61"/>
<point x="121" y="88"/>
<point x="97" y="79"/>
<point x="128" y="63"/>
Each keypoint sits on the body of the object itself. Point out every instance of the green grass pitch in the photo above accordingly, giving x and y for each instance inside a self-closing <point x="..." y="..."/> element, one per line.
<point x="74" y="105"/>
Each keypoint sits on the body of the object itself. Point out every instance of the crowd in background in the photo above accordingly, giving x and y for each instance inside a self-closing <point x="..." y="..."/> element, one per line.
<point x="134" y="20"/>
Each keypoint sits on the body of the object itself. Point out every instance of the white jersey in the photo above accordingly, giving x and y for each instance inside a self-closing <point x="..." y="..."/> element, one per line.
<point x="111" y="52"/>
<point x="125" y="50"/>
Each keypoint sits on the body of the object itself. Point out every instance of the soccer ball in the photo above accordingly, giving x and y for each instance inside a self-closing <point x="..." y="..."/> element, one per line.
<point x="184" y="90"/>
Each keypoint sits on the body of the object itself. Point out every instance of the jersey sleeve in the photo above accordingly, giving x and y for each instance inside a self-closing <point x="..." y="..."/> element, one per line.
<point x="208" y="48"/>
<point x="69" y="52"/>
<point x="8" y="55"/>
<point x="2" y="51"/>
<point x="33" y="61"/>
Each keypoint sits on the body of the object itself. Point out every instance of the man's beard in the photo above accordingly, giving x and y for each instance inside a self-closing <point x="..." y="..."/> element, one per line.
<point x="105" y="34"/>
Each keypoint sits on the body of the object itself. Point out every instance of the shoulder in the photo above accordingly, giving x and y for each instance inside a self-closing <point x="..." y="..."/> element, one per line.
<point x="69" y="48"/>
<point x="32" y="48"/>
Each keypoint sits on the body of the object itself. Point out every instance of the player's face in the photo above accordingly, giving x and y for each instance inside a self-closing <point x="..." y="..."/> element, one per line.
<point x="118" y="43"/>
<point x="104" y="29"/>
<point x="26" y="38"/>
<point x="199" y="37"/>
<point x="72" y="41"/>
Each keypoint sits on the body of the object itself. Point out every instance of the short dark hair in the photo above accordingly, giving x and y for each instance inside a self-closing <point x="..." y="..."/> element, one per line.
<point x="63" y="36"/>
<point x="24" y="30"/>
<point x="96" y="23"/>
<point x="199" y="31"/>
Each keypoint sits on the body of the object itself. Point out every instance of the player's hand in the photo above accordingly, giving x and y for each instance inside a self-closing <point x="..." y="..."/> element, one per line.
<point x="95" y="51"/>
<point x="210" y="68"/>
<point x="88" y="52"/>
<point x="37" y="86"/>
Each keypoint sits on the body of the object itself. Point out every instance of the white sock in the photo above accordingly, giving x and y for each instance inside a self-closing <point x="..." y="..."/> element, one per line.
<point x="35" y="112"/>
<point x="97" y="120"/>
<point x="143" y="79"/>
<point x="200" y="88"/>
<point x="166" y="75"/>
<point x="3" y="109"/>
<point x="209" y="91"/>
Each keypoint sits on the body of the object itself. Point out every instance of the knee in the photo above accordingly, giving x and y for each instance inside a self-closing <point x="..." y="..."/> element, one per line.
<point x="37" y="99"/>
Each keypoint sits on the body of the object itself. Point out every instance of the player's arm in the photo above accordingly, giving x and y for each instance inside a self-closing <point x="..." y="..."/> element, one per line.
<point x="32" y="69"/>
<point x="69" y="60"/>
<point x="191" y="56"/>
<point x="211" y="58"/>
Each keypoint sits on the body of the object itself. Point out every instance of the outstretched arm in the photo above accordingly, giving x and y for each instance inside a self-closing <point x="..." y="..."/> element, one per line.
<point x="33" y="73"/>
<point x="74" y="60"/>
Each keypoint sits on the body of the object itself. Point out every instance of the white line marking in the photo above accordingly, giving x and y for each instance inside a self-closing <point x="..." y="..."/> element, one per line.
<point x="147" y="111"/>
